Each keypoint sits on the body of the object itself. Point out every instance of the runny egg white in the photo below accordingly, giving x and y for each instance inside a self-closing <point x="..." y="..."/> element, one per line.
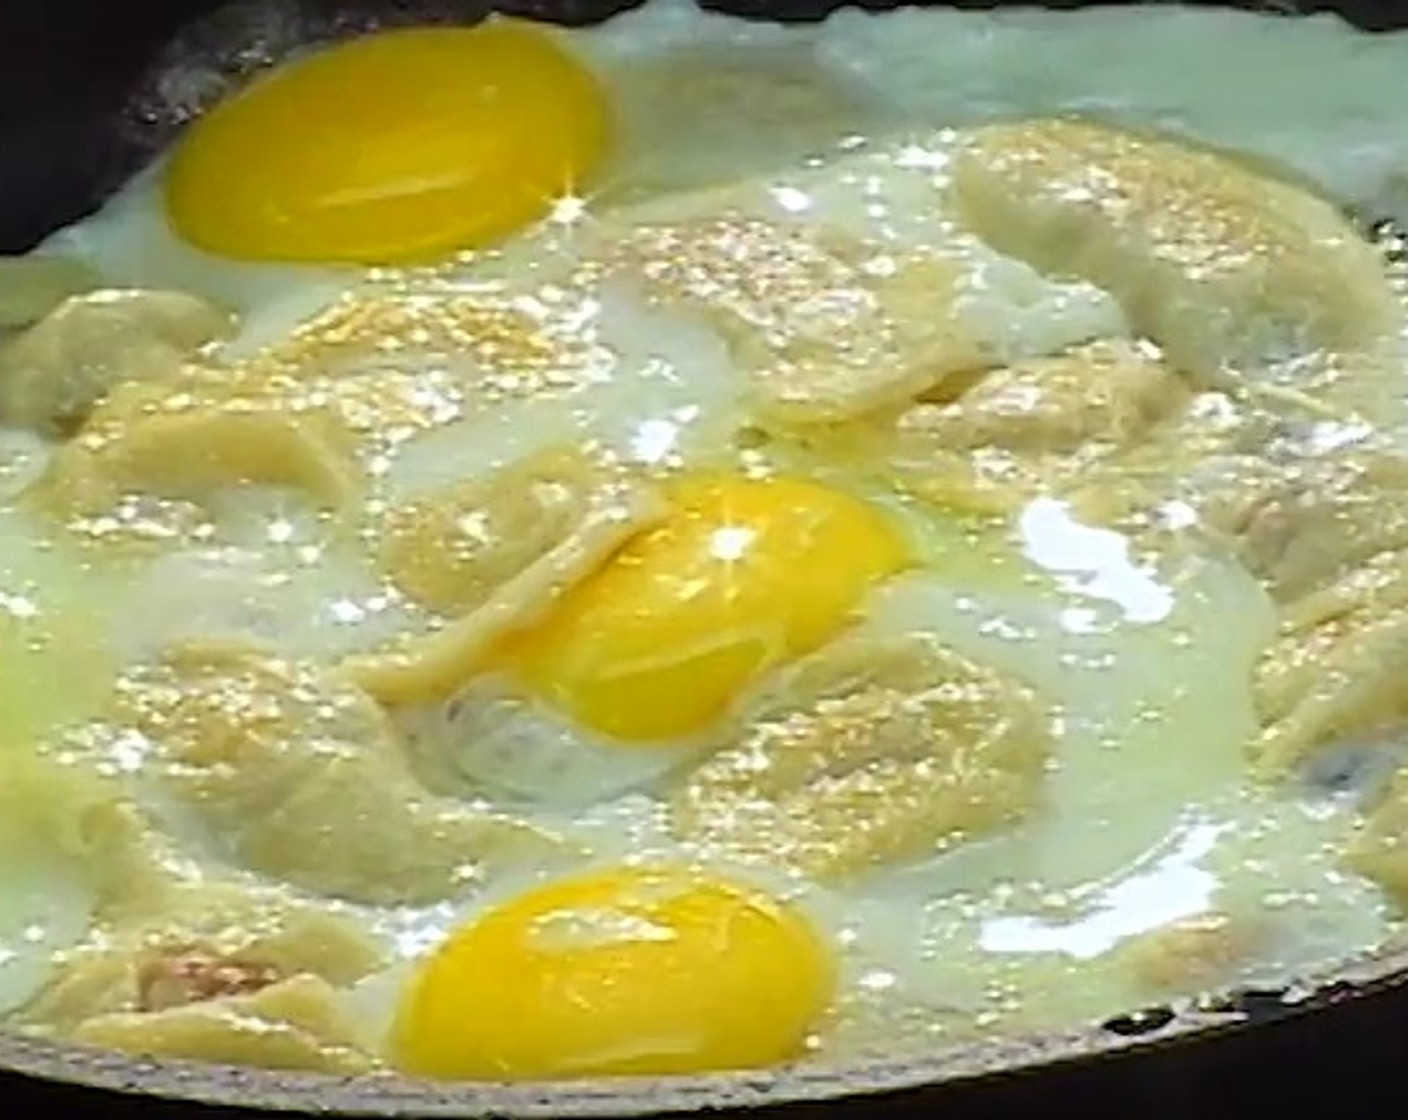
<point x="613" y="301"/>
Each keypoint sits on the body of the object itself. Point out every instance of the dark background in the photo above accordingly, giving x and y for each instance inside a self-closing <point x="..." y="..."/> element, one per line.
<point x="68" y="72"/>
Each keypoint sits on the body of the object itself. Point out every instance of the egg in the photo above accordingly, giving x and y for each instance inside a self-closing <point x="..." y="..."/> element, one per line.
<point x="631" y="970"/>
<point x="438" y="118"/>
<point x="492" y="738"/>
<point x="660" y="641"/>
<point x="308" y="603"/>
<point x="130" y="242"/>
<point x="635" y="672"/>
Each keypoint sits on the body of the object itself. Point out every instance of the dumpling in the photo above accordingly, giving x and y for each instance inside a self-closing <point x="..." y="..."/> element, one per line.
<point x="53" y="374"/>
<point x="302" y="776"/>
<point x="198" y="941"/>
<point x="394" y="361"/>
<point x="1335" y="673"/>
<point x="294" y="1024"/>
<point x="871" y="752"/>
<point x="1104" y="392"/>
<point x="1036" y="425"/>
<point x="452" y="549"/>
<point x="1380" y="850"/>
<point x="178" y="449"/>
<point x="819" y="335"/>
<point x="1304" y="525"/>
<point x="216" y="972"/>
<point x="426" y="667"/>
<point x="1221" y="266"/>
<point x="1193" y="954"/>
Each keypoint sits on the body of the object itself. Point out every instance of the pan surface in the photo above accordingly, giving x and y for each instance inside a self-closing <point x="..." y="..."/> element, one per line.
<point x="73" y="76"/>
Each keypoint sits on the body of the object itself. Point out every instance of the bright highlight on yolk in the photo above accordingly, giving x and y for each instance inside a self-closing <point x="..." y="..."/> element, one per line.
<point x="626" y="971"/>
<point x="742" y="575"/>
<point x="396" y="147"/>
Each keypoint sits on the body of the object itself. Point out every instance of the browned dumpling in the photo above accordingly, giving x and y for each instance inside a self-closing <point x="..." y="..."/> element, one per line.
<point x="294" y="1024"/>
<point x="1198" y="953"/>
<point x="197" y="941"/>
<point x="53" y="374"/>
<point x="870" y="753"/>
<point x="216" y="972"/>
<point x="1220" y="265"/>
<point x="303" y="777"/>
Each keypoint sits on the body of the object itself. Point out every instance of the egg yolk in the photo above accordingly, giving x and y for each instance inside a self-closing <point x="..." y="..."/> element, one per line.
<point x="623" y="971"/>
<point x="741" y="575"/>
<point x="395" y="147"/>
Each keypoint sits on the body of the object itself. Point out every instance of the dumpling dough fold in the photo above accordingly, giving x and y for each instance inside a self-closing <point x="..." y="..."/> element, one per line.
<point x="870" y="753"/>
<point x="53" y="374"/>
<point x="304" y="777"/>
<point x="1223" y="267"/>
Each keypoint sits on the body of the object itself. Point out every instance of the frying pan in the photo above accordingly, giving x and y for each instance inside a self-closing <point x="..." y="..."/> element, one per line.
<point x="82" y="106"/>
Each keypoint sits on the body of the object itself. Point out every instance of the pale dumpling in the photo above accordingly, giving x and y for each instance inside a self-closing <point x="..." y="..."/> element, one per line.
<point x="869" y="753"/>
<point x="53" y="374"/>
<point x="428" y="667"/>
<point x="1222" y="266"/>
<point x="55" y="873"/>
<point x="818" y="334"/>
<point x="1335" y="673"/>
<point x="452" y="548"/>
<point x="302" y="777"/>
<point x="845" y="287"/>
<point x="1380" y="850"/>
<point x="177" y="450"/>
<point x="1039" y="425"/>
<point x="1301" y="525"/>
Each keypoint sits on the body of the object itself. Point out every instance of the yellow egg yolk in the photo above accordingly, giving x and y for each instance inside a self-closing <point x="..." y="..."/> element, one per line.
<point x="624" y="971"/>
<point x="395" y="147"/>
<point x="742" y="575"/>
